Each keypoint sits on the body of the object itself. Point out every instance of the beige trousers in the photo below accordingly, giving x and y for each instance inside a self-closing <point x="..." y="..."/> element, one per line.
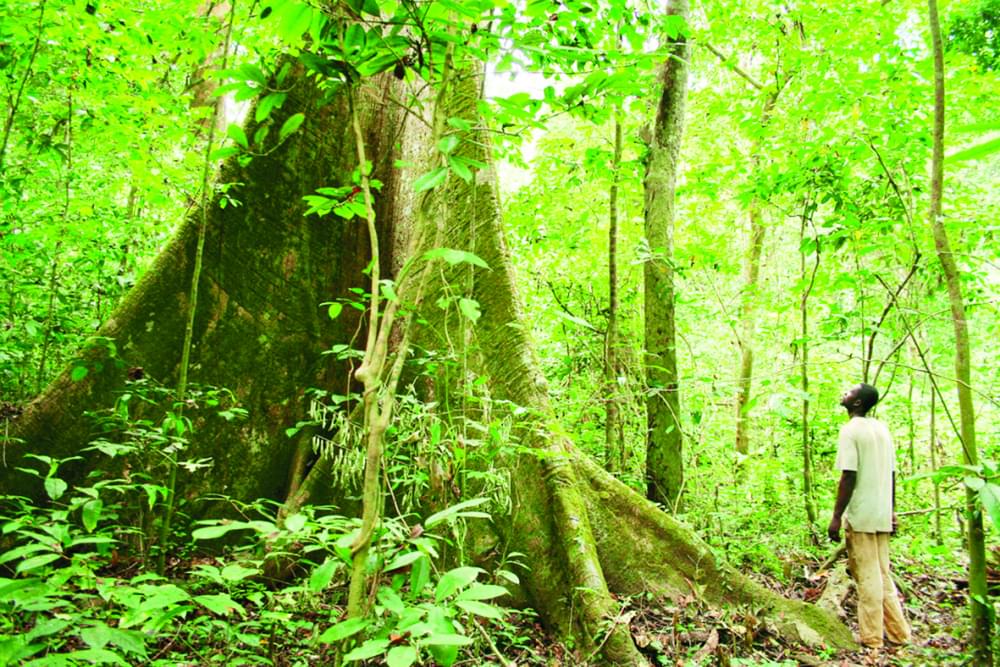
<point x="878" y="603"/>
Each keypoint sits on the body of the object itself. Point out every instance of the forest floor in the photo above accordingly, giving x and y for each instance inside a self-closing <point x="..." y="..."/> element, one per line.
<point x="690" y="634"/>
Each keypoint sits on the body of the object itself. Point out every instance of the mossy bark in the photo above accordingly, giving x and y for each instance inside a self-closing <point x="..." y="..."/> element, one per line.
<point x="664" y="444"/>
<point x="259" y="330"/>
<point x="588" y="536"/>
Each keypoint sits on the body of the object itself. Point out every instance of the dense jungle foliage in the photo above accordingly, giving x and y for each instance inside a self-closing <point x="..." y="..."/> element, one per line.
<point x="804" y="252"/>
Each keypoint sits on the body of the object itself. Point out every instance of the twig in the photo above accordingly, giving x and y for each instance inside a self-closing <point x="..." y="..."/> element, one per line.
<point x="894" y="296"/>
<point x="736" y="68"/>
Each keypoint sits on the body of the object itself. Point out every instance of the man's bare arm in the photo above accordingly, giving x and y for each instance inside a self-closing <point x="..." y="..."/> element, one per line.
<point x="848" y="478"/>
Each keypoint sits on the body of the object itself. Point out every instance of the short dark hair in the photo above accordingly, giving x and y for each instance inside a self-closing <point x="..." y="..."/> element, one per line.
<point x="868" y="396"/>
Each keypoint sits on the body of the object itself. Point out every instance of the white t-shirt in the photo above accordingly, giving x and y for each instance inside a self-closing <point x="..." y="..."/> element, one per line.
<point x="865" y="446"/>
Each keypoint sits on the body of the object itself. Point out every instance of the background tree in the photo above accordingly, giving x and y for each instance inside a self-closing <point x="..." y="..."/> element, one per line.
<point x="664" y="449"/>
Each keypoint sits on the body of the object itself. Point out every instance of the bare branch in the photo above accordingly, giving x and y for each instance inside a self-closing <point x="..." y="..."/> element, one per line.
<point x="736" y="68"/>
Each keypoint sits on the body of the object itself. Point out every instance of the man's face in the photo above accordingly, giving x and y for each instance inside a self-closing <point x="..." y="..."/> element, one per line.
<point x="850" y="396"/>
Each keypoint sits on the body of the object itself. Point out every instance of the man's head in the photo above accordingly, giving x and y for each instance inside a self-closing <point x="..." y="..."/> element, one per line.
<point x="859" y="399"/>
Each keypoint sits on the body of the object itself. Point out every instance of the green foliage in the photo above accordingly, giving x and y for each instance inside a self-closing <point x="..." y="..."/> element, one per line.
<point x="104" y="142"/>
<point x="67" y="595"/>
<point x="975" y="30"/>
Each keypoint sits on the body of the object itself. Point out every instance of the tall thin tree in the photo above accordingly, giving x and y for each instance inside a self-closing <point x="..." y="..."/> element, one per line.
<point x="664" y="445"/>
<point x="614" y="445"/>
<point x="981" y="610"/>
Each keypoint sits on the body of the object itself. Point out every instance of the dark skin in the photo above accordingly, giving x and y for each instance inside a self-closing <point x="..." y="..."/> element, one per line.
<point x="849" y="478"/>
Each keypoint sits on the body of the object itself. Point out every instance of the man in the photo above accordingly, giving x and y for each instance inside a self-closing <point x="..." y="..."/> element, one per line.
<point x="865" y="502"/>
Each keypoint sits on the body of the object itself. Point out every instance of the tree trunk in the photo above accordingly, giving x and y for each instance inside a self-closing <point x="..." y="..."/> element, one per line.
<point x="751" y="276"/>
<point x="614" y="441"/>
<point x="808" y="280"/>
<point x="981" y="609"/>
<point x="664" y="453"/>
<point x="751" y="273"/>
<point x="588" y="536"/>
<point x="259" y="332"/>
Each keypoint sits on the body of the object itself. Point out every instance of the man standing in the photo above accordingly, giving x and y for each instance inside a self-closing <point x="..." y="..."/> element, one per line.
<point x="866" y="496"/>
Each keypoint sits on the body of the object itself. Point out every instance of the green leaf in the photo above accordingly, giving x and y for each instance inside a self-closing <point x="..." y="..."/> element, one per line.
<point x="290" y="125"/>
<point x="235" y="572"/>
<point x="295" y="522"/>
<point x="469" y="308"/>
<point x="403" y="560"/>
<point x="454" y="579"/>
<point x="296" y="18"/>
<point x="129" y="641"/>
<point x="369" y="649"/>
<point x="974" y="483"/>
<point x="323" y="575"/>
<point x="55" y="487"/>
<point x="431" y="179"/>
<point x="390" y="600"/>
<point x="388" y="291"/>
<point x="370" y="7"/>
<point x="213" y="532"/>
<point x="448" y="143"/>
<point x="453" y="511"/>
<point x="19" y="553"/>
<point x="976" y="152"/>
<point x="401" y="656"/>
<point x="990" y="497"/>
<point x="91" y="514"/>
<point x="46" y="628"/>
<point x="220" y="604"/>
<point x="447" y="640"/>
<point x="99" y="656"/>
<point x="480" y="609"/>
<point x="334" y="310"/>
<point x="420" y="576"/>
<point x="460" y="168"/>
<point x="35" y="562"/>
<point x="453" y="257"/>
<point x="224" y="152"/>
<point x="482" y="592"/>
<point x="344" y="629"/>
<point x="236" y="133"/>
<point x="267" y="104"/>
<point x="78" y="373"/>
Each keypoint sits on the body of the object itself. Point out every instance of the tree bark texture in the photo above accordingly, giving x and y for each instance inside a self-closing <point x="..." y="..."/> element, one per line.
<point x="589" y="536"/>
<point x="259" y="331"/>
<point x="664" y="453"/>
<point x="981" y="609"/>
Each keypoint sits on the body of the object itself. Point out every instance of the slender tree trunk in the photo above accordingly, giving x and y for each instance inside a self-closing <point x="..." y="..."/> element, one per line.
<point x="751" y="273"/>
<point x="911" y="427"/>
<point x="613" y="437"/>
<point x="981" y="609"/>
<point x="664" y="445"/>
<point x="15" y="101"/>
<point x="938" y="536"/>
<point x="751" y="276"/>
<point x="807" y="466"/>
